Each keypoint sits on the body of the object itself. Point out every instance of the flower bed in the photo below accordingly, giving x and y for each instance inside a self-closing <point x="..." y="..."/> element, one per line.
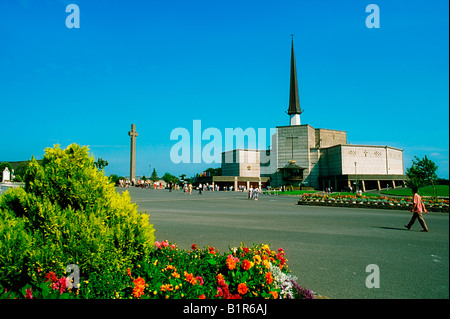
<point x="171" y="273"/>
<point x="361" y="201"/>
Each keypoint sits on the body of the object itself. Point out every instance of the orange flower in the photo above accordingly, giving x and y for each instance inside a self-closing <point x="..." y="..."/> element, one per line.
<point x="242" y="289"/>
<point x="170" y="267"/>
<point x="247" y="264"/>
<point x="166" y="287"/>
<point x="129" y="273"/>
<point x="274" y="294"/>
<point x="139" y="286"/>
<point x="190" y="278"/>
<point x="231" y="262"/>
<point x="202" y="296"/>
<point x="269" y="278"/>
<point x="219" y="278"/>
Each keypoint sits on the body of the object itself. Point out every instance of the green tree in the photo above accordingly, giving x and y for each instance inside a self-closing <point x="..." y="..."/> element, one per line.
<point x="422" y="173"/>
<point x="170" y="178"/>
<point x="114" y="178"/>
<point x="101" y="163"/>
<point x="154" y="176"/>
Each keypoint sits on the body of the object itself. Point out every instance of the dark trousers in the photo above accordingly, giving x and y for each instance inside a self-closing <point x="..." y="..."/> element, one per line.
<point x="421" y="221"/>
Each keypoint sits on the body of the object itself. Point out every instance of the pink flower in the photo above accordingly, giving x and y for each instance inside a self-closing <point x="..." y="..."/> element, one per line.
<point x="173" y="246"/>
<point x="28" y="293"/>
<point x="62" y="284"/>
<point x="157" y="244"/>
<point x="199" y="280"/>
<point x="165" y="243"/>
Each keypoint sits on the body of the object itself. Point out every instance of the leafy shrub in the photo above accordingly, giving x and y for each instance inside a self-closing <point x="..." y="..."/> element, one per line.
<point x="68" y="213"/>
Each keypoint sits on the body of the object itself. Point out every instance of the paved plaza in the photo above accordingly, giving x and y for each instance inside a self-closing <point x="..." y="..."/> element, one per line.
<point x="327" y="248"/>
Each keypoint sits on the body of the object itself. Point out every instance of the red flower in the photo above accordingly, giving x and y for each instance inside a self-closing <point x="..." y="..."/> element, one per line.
<point x="51" y="276"/>
<point x="202" y="296"/>
<point x="194" y="247"/>
<point x="247" y="264"/>
<point x="242" y="289"/>
<point x="245" y="250"/>
<point x="269" y="278"/>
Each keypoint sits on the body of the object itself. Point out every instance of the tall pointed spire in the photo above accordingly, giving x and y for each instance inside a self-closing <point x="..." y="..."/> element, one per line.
<point x="294" y="110"/>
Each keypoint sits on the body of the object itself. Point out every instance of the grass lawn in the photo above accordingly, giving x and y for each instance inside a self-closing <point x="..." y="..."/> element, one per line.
<point x="441" y="190"/>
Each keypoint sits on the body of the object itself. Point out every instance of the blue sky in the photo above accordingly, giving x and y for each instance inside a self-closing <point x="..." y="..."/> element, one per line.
<point x="163" y="64"/>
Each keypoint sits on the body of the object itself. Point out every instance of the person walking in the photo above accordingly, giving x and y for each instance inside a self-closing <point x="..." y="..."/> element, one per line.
<point x="417" y="210"/>
<point x="200" y="188"/>
<point x="256" y="193"/>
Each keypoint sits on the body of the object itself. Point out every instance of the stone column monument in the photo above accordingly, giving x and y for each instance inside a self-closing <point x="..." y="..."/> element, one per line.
<point x="133" y="134"/>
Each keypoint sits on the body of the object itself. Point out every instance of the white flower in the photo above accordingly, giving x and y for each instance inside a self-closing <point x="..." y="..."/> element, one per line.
<point x="283" y="281"/>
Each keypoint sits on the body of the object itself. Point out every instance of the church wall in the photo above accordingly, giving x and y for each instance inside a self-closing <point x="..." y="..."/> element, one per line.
<point x="331" y="161"/>
<point x="395" y="161"/>
<point x="239" y="162"/>
<point x="271" y="167"/>
<point x="300" y="144"/>
<point x="315" y="170"/>
<point x="249" y="163"/>
<point x="327" y="138"/>
<point x="371" y="160"/>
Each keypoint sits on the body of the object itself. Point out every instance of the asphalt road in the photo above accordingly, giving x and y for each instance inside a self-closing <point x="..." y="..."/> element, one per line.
<point x="327" y="248"/>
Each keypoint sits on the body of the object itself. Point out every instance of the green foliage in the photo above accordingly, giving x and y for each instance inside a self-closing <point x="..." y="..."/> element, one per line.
<point x="68" y="213"/>
<point x="115" y="179"/>
<point x="154" y="176"/>
<point x="170" y="178"/>
<point x="421" y="173"/>
<point x="15" y="248"/>
<point x="101" y="163"/>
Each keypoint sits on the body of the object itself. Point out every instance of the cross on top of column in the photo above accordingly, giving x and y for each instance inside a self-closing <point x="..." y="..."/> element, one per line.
<point x="133" y="132"/>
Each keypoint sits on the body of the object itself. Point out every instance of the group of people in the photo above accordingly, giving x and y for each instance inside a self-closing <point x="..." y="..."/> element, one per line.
<point x="140" y="183"/>
<point x="253" y="193"/>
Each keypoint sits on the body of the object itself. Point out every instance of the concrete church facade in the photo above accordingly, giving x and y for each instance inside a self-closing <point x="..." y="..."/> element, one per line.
<point x="317" y="158"/>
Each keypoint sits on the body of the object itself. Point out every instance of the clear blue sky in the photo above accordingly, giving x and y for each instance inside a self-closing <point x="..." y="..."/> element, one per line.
<point x="163" y="64"/>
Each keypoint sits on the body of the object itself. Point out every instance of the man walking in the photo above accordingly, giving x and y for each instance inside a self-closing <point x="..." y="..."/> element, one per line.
<point x="417" y="210"/>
